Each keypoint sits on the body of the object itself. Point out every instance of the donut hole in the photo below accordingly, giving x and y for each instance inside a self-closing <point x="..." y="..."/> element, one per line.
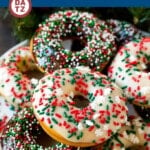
<point x="147" y="67"/>
<point x="136" y="148"/>
<point x="73" y="44"/>
<point x="80" y="101"/>
<point x="34" y="74"/>
<point x="143" y="112"/>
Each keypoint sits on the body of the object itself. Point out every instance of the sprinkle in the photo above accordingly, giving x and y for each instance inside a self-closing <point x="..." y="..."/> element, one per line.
<point x="98" y="132"/>
<point x="80" y="126"/>
<point x="98" y="50"/>
<point x="89" y="122"/>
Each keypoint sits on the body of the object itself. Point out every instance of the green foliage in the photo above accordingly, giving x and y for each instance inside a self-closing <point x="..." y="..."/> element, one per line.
<point x="141" y="17"/>
<point x="25" y="28"/>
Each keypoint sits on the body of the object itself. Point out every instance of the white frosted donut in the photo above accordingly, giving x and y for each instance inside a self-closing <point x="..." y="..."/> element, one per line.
<point x="55" y="106"/>
<point x="14" y="85"/>
<point x="136" y="133"/>
<point x="6" y="112"/>
<point x="130" y="71"/>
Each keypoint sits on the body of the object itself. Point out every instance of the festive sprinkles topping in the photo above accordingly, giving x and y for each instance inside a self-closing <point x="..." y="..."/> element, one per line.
<point x="124" y="31"/>
<point x="15" y="86"/>
<point x="6" y="112"/>
<point x="23" y="131"/>
<point x="135" y="133"/>
<point x="99" y="42"/>
<point x="132" y="77"/>
<point x="21" y="58"/>
<point x="55" y="106"/>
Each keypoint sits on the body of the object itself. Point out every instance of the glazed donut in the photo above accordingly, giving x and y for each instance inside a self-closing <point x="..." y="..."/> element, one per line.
<point x="130" y="71"/>
<point x="98" y="40"/>
<point x="55" y="106"/>
<point x="6" y="112"/>
<point x="15" y="86"/>
<point x="21" y="58"/>
<point x="24" y="132"/>
<point x="135" y="133"/>
<point x="124" y="31"/>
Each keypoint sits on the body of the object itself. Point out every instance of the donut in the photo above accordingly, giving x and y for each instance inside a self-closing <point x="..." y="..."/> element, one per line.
<point x="15" y="86"/>
<point x="136" y="133"/>
<point x="99" y="112"/>
<point x="21" y="58"/>
<point x="24" y="132"/>
<point x="124" y="31"/>
<point x="49" y="52"/>
<point x="129" y="70"/>
<point x="6" y="112"/>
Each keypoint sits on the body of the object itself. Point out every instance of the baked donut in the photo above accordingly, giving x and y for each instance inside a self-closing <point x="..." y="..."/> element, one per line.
<point x="124" y="31"/>
<point x="136" y="133"/>
<point x="24" y="132"/>
<point x="97" y="38"/>
<point x="6" y="112"/>
<point x="130" y="71"/>
<point x="99" y="113"/>
<point x="21" y="58"/>
<point x="15" y="86"/>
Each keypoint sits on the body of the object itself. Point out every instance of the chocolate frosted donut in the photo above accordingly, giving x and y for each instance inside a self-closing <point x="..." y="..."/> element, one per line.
<point x="124" y="31"/>
<point x="23" y="132"/>
<point x="97" y="38"/>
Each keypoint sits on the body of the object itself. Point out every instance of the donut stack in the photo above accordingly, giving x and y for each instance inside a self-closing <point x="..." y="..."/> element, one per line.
<point x="68" y="99"/>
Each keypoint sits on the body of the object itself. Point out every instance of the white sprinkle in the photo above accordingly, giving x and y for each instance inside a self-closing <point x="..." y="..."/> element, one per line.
<point x="95" y="104"/>
<point x="132" y="58"/>
<point x="89" y="122"/>
<point x="101" y="99"/>
<point x="34" y="81"/>
<point x="80" y="126"/>
<point x="105" y="127"/>
<point x="107" y="91"/>
<point x="117" y="99"/>
<point x="143" y="66"/>
<point x="98" y="132"/>
<point x="87" y="69"/>
<point x="96" y="115"/>
<point x="59" y="92"/>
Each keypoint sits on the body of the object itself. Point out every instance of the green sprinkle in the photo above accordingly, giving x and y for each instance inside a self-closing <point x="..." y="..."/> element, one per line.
<point x="54" y="120"/>
<point x="119" y="68"/>
<point x="124" y="87"/>
<point x="80" y="135"/>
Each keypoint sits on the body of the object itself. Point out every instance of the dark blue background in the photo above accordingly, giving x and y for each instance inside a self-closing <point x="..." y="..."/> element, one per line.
<point x="85" y="3"/>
